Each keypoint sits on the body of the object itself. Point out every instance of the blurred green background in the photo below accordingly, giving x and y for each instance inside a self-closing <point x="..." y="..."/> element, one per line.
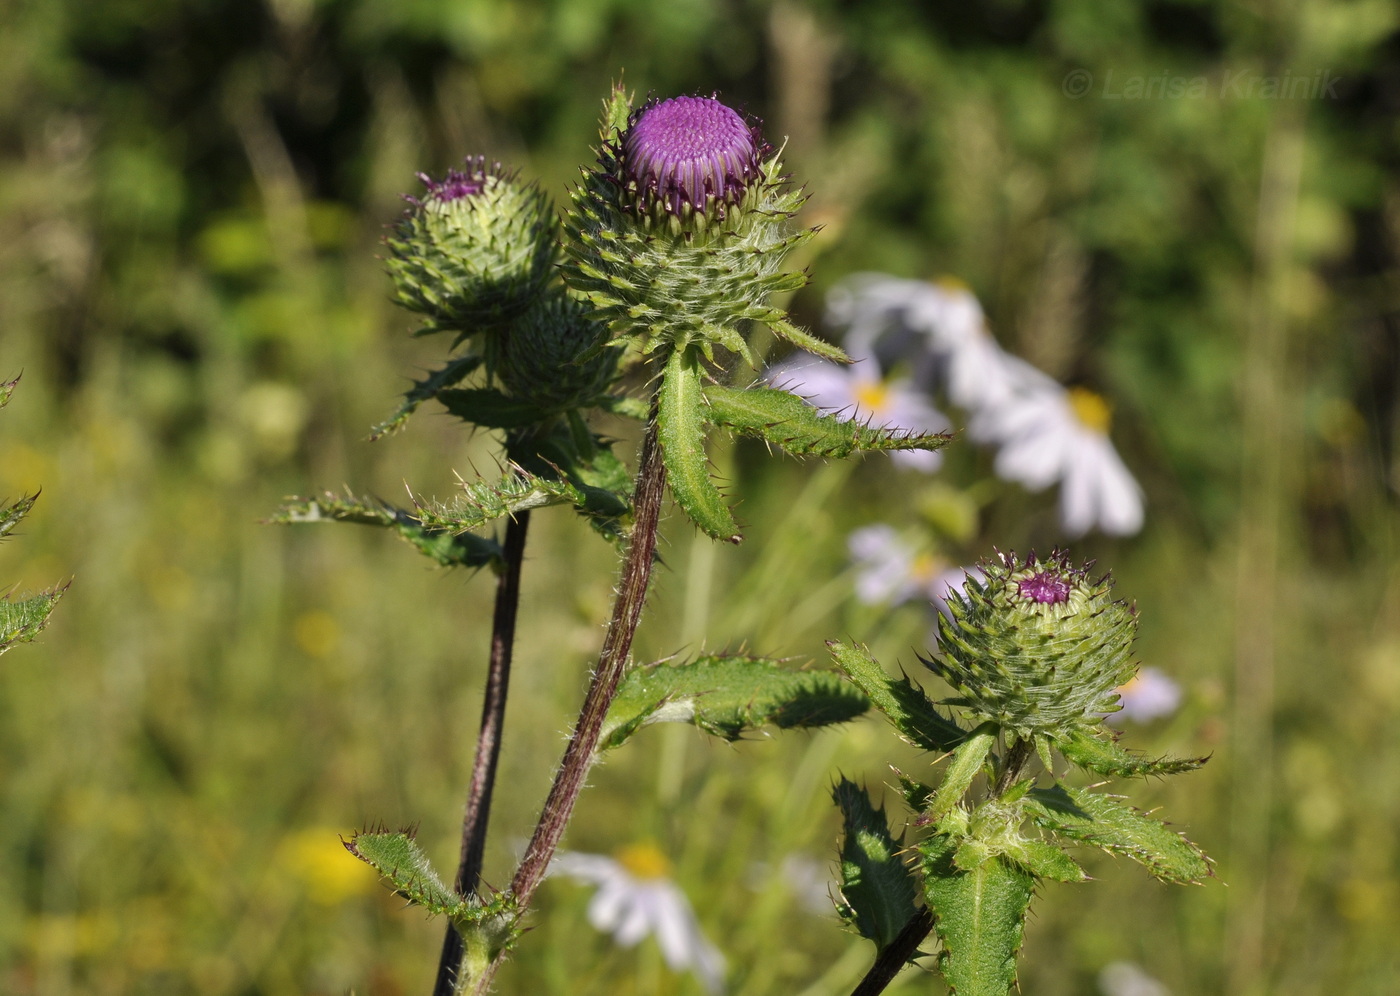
<point x="191" y="195"/>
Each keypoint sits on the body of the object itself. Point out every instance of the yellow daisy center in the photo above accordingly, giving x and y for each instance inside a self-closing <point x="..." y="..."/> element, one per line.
<point x="924" y="567"/>
<point x="873" y="394"/>
<point x="1091" y="409"/>
<point x="644" y="861"/>
<point x="950" y="283"/>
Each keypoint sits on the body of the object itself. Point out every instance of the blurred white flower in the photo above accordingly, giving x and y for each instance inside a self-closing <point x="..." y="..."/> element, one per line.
<point x="810" y="882"/>
<point x="1049" y="434"/>
<point x="1123" y="978"/>
<point x="937" y="328"/>
<point x="635" y="898"/>
<point x="888" y="570"/>
<point x="1147" y="696"/>
<point x="858" y="391"/>
<point x="1046" y="434"/>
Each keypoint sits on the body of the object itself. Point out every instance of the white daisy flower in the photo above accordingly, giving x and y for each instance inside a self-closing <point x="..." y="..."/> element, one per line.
<point x="858" y="391"/>
<point x="635" y="898"/>
<point x="1147" y="696"/>
<point x="1123" y="978"/>
<point x="938" y="328"/>
<point x="1050" y="434"/>
<point x="889" y="571"/>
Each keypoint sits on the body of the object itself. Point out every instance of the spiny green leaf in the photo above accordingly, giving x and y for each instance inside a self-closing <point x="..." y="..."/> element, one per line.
<point x="967" y="761"/>
<point x="490" y="409"/>
<point x="1102" y="821"/>
<point x="906" y="706"/>
<point x="728" y="696"/>
<point x="681" y="428"/>
<point x="1105" y="757"/>
<point x="447" y="547"/>
<point x="22" y="619"/>
<point x="787" y="421"/>
<point x="487" y="928"/>
<point x="916" y="794"/>
<point x="454" y="372"/>
<point x="7" y="388"/>
<point x="1045" y="861"/>
<point x="482" y="502"/>
<point x="979" y="916"/>
<point x="397" y="857"/>
<point x="805" y="340"/>
<point x="877" y="890"/>
<point x="11" y="514"/>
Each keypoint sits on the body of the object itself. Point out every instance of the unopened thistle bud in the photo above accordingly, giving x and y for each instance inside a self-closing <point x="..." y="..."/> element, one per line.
<point x="1038" y="646"/>
<point x="553" y="355"/>
<point x="679" y="234"/>
<point x="473" y="251"/>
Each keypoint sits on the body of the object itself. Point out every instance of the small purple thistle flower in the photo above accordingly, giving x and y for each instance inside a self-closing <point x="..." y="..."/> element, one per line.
<point x="455" y="186"/>
<point x="1045" y="587"/>
<point x="686" y="151"/>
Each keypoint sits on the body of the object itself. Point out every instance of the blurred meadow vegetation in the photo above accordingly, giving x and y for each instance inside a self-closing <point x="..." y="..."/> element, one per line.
<point x="191" y="197"/>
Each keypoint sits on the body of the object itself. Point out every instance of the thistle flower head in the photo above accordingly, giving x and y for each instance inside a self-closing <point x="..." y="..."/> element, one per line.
<point x="678" y="236"/>
<point x="690" y="154"/>
<point x="1038" y="645"/>
<point x="473" y="250"/>
<point x="452" y="187"/>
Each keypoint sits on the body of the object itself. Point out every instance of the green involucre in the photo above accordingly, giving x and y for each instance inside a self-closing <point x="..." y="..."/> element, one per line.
<point x="554" y="357"/>
<point x="470" y="263"/>
<point x="1033" y="667"/>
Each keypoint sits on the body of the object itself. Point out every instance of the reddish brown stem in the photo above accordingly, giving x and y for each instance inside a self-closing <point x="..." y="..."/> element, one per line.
<point x="612" y="661"/>
<point x="488" y="741"/>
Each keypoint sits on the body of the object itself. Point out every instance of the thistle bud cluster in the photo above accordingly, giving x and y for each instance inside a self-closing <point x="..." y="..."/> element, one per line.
<point x="1037" y="646"/>
<point x="477" y="254"/>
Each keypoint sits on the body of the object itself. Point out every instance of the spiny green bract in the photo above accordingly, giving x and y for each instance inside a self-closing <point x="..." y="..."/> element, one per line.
<point x="1037" y="647"/>
<point x="673" y="280"/>
<point x="474" y="251"/>
<point x="553" y="356"/>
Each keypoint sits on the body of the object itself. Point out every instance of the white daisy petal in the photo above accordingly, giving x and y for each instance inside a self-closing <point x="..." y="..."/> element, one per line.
<point x="630" y="908"/>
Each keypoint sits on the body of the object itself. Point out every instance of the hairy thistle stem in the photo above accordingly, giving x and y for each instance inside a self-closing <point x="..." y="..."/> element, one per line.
<point x="488" y="741"/>
<point x="895" y="955"/>
<point x="612" y="660"/>
<point x="1016" y="757"/>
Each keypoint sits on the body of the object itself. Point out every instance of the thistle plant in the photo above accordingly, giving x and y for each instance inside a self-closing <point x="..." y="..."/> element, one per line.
<point x="1035" y="650"/>
<point x="672" y="249"/>
<point x="21" y="619"/>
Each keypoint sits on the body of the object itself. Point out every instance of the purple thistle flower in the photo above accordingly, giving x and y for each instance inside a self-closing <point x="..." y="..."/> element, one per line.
<point x="456" y="185"/>
<point x="1046" y="587"/>
<point x="689" y="151"/>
